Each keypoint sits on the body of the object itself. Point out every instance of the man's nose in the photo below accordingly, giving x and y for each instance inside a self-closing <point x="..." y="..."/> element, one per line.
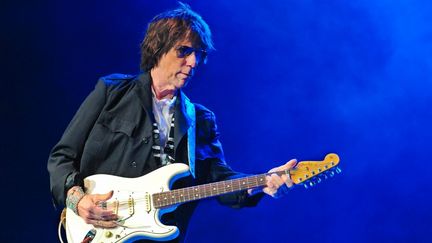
<point x="191" y="60"/>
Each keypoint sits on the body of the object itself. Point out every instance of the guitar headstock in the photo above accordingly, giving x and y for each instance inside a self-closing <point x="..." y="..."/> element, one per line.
<point x="310" y="173"/>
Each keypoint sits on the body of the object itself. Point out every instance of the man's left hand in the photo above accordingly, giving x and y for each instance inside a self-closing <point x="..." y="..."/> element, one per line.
<point x="276" y="185"/>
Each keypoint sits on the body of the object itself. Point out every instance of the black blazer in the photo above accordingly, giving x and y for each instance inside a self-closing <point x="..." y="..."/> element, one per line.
<point x="111" y="134"/>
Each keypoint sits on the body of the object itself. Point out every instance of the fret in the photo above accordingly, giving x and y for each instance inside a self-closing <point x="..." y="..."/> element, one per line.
<point x="214" y="189"/>
<point x="236" y="185"/>
<point x="182" y="195"/>
<point x="206" y="191"/>
<point x="189" y="194"/>
<point x="196" y="193"/>
<point x="174" y="197"/>
<point x="171" y="197"/>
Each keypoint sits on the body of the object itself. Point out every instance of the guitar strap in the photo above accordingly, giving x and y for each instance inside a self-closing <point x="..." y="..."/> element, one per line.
<point x="168" y="151"/>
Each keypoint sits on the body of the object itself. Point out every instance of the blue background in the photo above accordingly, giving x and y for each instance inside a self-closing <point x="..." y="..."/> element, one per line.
<point x="289" y="79"/>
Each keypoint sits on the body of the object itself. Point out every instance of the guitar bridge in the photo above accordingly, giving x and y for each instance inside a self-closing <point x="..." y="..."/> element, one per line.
<point x="130" y="209"/>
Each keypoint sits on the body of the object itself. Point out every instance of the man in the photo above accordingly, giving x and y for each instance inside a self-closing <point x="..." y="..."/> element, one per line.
<point x="131" y="125"/>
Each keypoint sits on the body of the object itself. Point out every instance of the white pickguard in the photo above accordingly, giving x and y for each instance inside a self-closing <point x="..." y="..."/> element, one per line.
<point x="142" y="218"/>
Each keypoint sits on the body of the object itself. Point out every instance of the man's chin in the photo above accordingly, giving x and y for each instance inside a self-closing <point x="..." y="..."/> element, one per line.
<point x="184" y="82"/>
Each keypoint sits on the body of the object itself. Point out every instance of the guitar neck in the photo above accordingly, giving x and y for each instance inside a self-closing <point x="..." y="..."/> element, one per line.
<point x="169" y="198"/>
<point x="305" y="171"/>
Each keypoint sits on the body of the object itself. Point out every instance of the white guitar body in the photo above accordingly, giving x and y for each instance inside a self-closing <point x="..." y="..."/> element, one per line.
<point x="140" y="217"/>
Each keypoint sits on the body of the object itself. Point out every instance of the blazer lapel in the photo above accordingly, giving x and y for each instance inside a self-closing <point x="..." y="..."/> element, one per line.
<point x="185" y="123"/>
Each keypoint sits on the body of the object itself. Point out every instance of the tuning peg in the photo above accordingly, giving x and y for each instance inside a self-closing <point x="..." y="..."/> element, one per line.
<point x="338" y="170"/>
<point x="305" y="186"/>
<point x="330" y="173"/>
<point x="311" y="184"/>
<point x="318" y="180"/>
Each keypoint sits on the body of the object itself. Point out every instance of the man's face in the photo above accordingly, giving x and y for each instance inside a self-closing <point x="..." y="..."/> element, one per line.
<point x="179" y="63"/>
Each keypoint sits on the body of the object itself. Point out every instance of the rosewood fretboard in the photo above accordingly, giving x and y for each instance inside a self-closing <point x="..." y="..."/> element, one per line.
<point x="164" y="199"/>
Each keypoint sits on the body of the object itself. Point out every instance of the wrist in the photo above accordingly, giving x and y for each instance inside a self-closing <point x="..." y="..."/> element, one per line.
<point x="72" y="180"/>
<point x="74" y="196"/>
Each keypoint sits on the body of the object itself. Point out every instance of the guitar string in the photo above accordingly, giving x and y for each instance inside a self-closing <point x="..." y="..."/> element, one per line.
<point x="207" y="190"/>
<point x="189" y="195"/>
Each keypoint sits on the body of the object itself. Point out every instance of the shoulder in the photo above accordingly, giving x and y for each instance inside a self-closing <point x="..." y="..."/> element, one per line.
<point x="118" y="81"/>
<point x="205" y="122"/>
<point x="203" y="112"/>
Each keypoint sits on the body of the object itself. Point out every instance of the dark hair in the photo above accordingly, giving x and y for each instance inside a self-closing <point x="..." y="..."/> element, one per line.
<point x="168" y="28"/>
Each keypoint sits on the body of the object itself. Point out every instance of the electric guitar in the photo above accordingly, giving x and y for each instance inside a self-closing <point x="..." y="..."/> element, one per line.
<point x="140" y="202"/>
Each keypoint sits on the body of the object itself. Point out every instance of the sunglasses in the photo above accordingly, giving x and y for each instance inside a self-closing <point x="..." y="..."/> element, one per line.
<point x="200" y="55"/>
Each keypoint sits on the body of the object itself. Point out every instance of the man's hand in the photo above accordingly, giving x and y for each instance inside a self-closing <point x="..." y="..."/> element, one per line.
<point x="276" y="185"/>
<point x="92" y="208"/>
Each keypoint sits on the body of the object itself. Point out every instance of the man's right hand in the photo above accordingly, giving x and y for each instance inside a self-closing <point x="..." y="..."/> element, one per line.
<point x="89" y="208"/>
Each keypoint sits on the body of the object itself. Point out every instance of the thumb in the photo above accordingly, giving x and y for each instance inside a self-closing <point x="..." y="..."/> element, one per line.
<point x="103" y="197"/>
<point x="288" y="165"/>
<point x="291" y="164"/>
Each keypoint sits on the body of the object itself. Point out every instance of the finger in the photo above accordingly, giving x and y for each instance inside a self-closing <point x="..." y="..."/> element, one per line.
<point x="290" y="164"/>
<point x="100" y="206"/>
<point x="277" y="180"/>
<point x="108" y="215"/>
<point x="287" y="180"/>
<point x="269" y="182"/>
<point x="100" y="214"/>
<point x="107" y="209"/>
<point x="269" y="191"/>
<point x="104" y="217"/>
<point x="103" y="224"/>
<point x="282" y="185"/>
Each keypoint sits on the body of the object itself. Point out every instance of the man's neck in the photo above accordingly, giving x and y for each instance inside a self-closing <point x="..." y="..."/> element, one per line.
<point x="160" y="86"/>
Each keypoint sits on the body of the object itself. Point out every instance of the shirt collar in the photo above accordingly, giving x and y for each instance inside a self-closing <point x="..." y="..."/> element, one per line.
<point x="163" y="102"/>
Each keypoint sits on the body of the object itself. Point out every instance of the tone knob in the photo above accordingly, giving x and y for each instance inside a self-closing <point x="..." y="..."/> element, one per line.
<point x="108" y="234"/>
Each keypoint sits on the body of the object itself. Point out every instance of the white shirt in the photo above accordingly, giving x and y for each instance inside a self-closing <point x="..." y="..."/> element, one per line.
<point x="163" y="111"/>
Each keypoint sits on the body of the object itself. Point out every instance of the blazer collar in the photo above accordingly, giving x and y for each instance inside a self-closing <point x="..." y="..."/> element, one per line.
<point x="183" y="119"/>
<point x="144" y="93"/>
